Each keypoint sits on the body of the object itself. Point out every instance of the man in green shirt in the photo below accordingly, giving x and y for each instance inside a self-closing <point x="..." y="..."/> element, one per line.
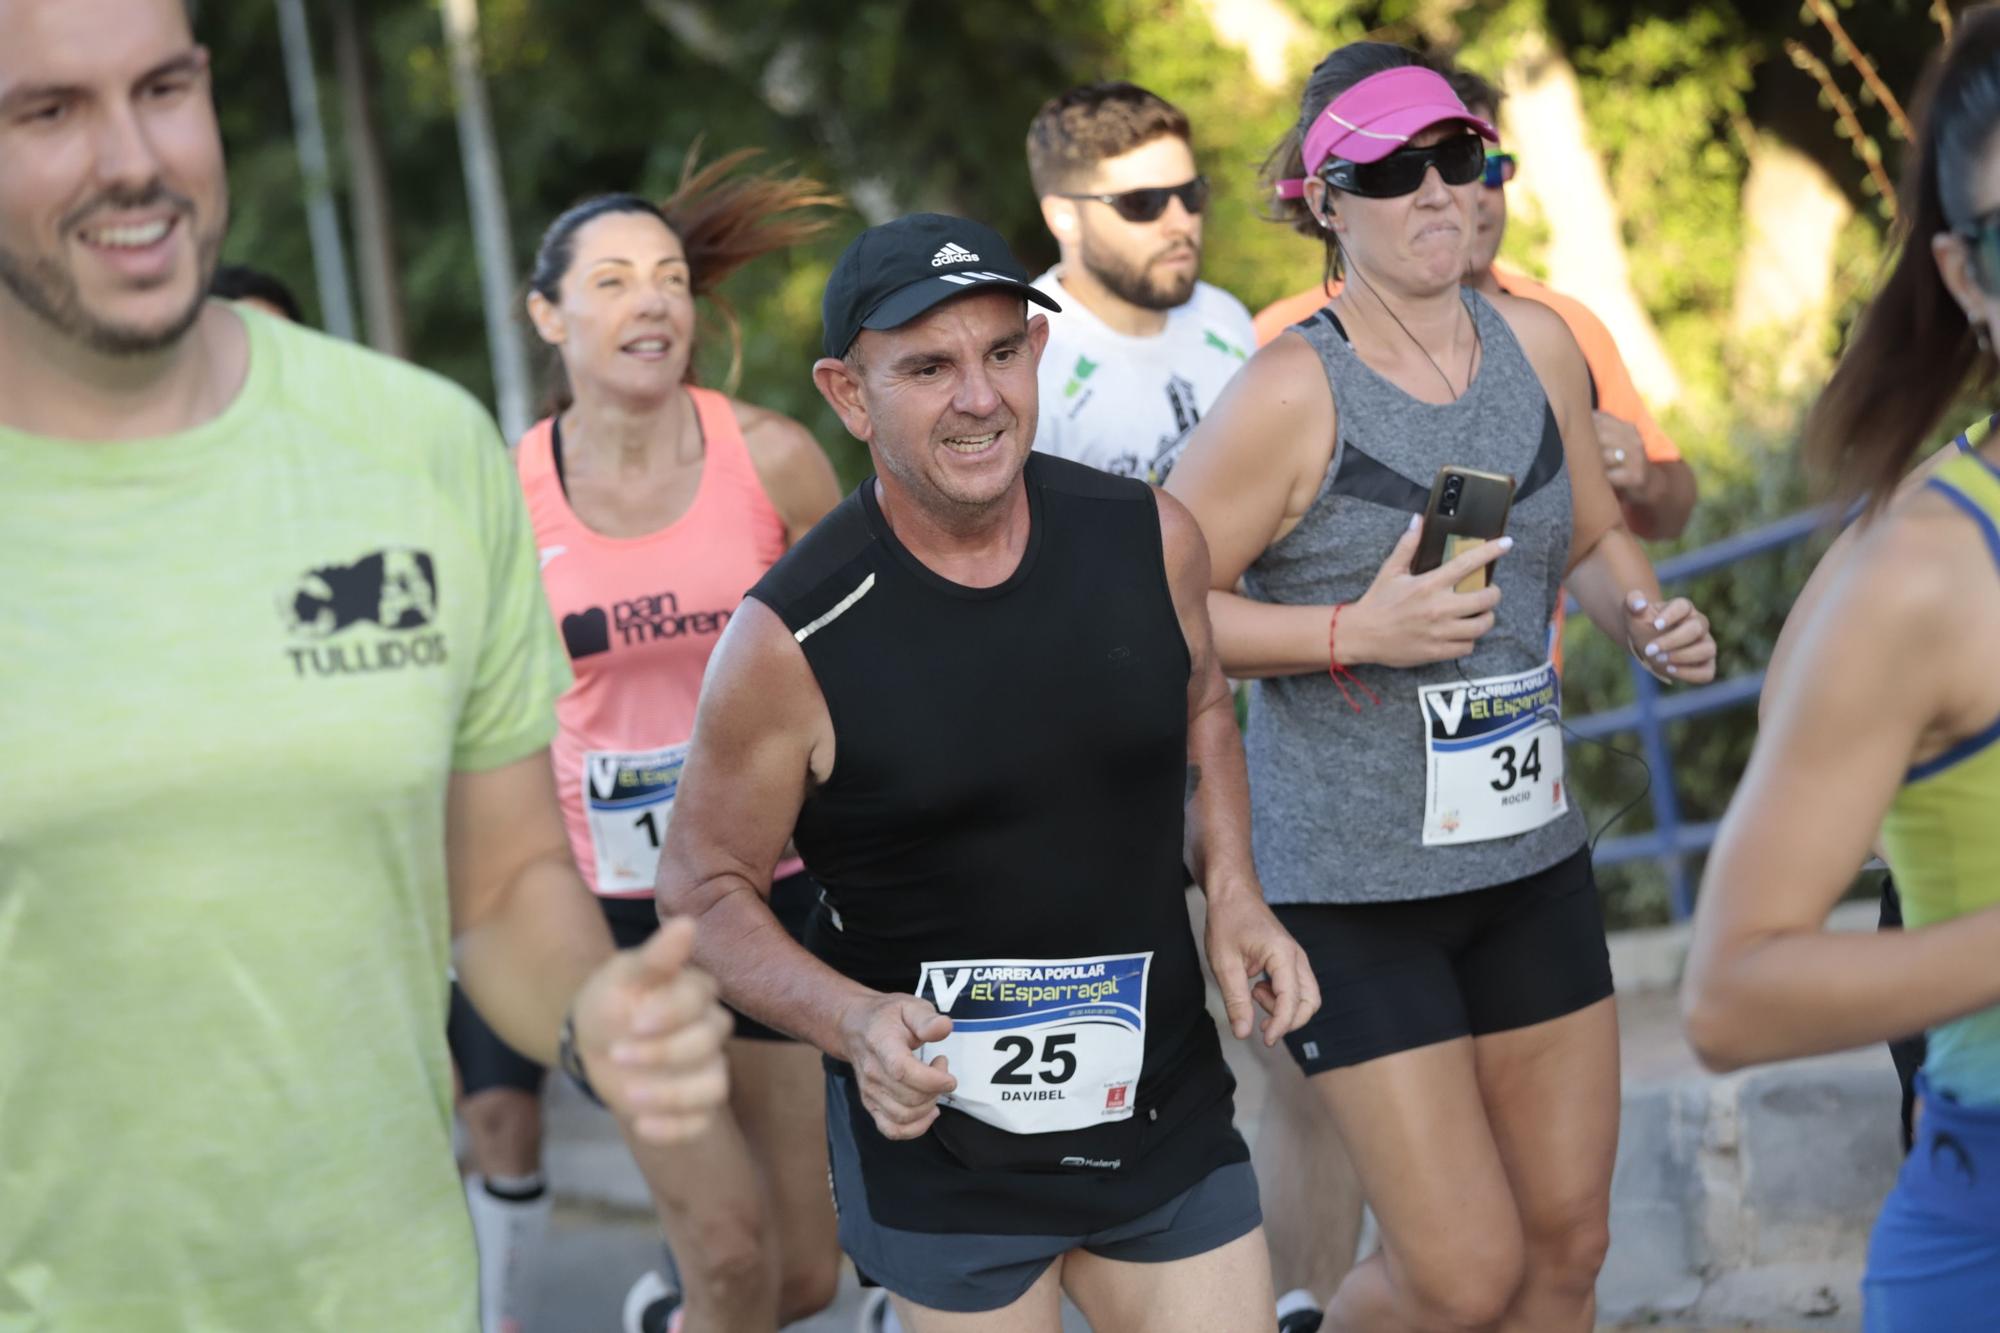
<point x="278" y="679"/>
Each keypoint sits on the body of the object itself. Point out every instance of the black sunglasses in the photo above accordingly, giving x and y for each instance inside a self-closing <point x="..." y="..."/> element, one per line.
<point x="1147" y="205"/>
<point x="1460" y="160"/>
<point x="1982" y="237"/>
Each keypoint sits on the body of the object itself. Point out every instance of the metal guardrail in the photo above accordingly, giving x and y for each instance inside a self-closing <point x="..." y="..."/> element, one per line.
<point x="1672" y="840"/>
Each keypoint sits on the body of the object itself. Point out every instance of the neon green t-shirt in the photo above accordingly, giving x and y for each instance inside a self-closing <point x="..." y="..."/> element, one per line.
<point x="237" y="669"/>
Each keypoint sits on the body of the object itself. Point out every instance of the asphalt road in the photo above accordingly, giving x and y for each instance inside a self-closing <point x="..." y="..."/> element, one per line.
<point x="594" y="1255"/>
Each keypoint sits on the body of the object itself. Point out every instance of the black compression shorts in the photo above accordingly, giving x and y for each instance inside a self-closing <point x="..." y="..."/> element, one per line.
<point x="1395" y="976"/>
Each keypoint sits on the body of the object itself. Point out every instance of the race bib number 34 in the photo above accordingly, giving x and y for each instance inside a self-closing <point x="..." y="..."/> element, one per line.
<point x="1040" y="1045"/>
<point x="1494" y="753"/>
<point x="627" y="800"/>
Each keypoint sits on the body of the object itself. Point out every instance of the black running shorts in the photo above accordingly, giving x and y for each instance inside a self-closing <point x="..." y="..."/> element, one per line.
<point x="1399" y="975"/>
<point x="973" y="1272"/>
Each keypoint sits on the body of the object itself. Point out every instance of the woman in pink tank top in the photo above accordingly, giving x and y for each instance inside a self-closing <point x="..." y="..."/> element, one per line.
<point x="656" y="504"/>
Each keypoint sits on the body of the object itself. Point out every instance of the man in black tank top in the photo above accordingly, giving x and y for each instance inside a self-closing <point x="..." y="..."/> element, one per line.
<point x="982" y="698"/>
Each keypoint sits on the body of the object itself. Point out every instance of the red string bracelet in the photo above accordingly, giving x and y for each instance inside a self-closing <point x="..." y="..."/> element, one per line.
<point x="1338" y="672"/>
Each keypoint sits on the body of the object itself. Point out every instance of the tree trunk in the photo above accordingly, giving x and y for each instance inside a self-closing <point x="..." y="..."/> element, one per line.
<point x="1560" y="169"/>
<point x="322" y="217"/>
<point x="491" y="236"/>
<point x="1265" y="31"/>
<point x="373" y="214"/>
<point x="1793" y="215"/>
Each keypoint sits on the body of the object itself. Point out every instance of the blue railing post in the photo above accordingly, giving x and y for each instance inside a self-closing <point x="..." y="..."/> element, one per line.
<point x="1666" y="805"/>
<point x="1672" y="841"/>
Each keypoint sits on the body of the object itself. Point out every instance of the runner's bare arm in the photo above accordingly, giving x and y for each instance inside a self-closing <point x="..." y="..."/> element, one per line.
<point x="1656" y="488"/>
<point x="530" y="947"/>
<point x="762" y="737"/>
<point x="1824" y="573"/>
<point x="794" y="470"/>
<point x="1245" y="941"/>
<point x="1885" y="674"/>
<point x="1663" y="515"/>
<point x="1249" y="473"/>
<point x="1609" y="572"/>
<point x="1218" y="803"/>
<point x="525" y="933"/>
<point x="1656" y="497"/>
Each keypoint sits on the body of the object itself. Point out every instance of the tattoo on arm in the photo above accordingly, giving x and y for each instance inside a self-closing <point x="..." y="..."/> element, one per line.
<point x="1193" y="782"/>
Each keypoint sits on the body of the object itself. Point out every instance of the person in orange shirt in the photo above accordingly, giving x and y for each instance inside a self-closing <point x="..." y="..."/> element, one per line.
<point x="1654" y="485"/>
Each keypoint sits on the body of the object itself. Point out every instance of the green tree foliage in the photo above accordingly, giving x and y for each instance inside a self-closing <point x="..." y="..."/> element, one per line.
<point x="1672" y="92"/>
<point x="908" y="105"/>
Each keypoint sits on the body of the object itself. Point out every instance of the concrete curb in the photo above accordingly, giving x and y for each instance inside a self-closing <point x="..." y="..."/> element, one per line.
<point x="1749" y="1197"/>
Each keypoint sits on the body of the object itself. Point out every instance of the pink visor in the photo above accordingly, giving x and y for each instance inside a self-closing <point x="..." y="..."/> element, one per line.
<point x="1377" y="116"/>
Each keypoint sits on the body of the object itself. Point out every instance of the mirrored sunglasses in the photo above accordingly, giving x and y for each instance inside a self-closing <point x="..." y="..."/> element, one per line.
<point x="1459" y="161"/>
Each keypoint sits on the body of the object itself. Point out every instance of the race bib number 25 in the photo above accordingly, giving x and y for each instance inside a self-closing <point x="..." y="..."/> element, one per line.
<point x="1040" y="1045"/>
<point x="627" y="799"/>
<point x="1494" y="754"/>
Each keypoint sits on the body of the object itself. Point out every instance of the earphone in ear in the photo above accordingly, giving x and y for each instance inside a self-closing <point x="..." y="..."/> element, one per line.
<point x="1316" y="204"/>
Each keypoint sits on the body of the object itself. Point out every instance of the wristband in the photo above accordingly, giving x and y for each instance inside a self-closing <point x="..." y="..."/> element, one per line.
<point x="570" y="1059"/>
<point x="1341" y="675"/>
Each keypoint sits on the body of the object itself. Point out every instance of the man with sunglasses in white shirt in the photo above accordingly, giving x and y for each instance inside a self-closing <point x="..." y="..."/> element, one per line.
<point x="1142" y="346"/>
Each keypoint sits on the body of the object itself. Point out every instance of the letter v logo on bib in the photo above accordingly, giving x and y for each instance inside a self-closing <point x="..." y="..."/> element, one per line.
<point x="946" y="985"/>
<point x="602" y="770"/>
<point x="1449" y="705"/>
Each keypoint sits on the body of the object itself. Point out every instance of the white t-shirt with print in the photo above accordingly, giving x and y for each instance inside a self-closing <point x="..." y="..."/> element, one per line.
<point x="1124" y="404"/>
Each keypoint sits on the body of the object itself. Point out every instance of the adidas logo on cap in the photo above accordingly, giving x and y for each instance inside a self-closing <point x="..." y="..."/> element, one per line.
<point x="953" y="254"/>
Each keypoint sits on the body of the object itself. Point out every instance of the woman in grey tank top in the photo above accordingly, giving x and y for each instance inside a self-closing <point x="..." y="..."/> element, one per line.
<point x="1410" y="817"/>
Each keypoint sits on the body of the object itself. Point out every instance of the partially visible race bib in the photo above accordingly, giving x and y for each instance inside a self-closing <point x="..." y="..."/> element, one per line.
<point x="627" y="800"/>
<point x="1494" y="755"/>
<point x="1040" y="1045"/>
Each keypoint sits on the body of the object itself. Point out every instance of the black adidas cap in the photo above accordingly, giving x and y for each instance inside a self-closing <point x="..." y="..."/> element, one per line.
<point x="892" y="273"/>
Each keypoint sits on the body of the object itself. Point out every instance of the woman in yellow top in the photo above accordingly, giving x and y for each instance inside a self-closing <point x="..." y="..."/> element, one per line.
<point x="1885" y="715"/>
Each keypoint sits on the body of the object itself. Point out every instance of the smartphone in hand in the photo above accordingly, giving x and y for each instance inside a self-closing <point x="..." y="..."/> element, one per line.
<point x="1466" y="507"/>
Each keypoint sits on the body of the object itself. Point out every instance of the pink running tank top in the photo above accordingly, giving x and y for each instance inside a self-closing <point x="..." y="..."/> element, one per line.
<point x="640" y="616"/>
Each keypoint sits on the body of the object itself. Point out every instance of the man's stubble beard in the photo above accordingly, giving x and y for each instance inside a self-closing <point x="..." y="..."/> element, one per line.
<point x="1135" y="285"/>
<point x="47" y="288"/>
<point x="948" y="511"/>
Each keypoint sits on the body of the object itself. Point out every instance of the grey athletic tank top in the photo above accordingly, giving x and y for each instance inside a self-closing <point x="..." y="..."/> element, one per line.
<point x="1336" y="796"/>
